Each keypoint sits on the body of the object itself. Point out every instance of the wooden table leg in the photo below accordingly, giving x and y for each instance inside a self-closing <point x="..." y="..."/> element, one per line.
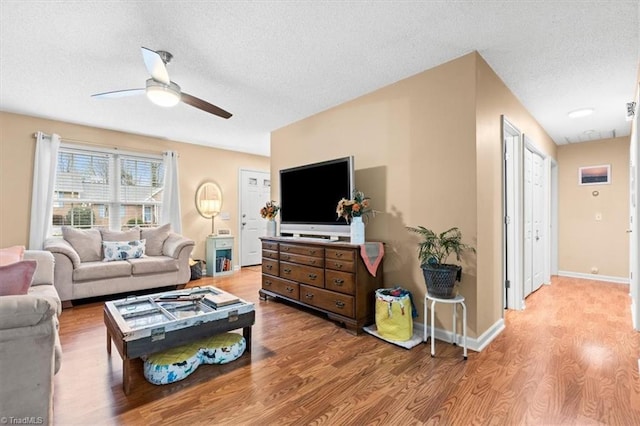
<point x="246" y="332"/>
<point x="126" y="376"/>
<point x="108" y="342"/>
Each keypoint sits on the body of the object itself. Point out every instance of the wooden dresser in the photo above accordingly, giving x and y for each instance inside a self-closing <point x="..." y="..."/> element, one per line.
<point x="329" y="277"/>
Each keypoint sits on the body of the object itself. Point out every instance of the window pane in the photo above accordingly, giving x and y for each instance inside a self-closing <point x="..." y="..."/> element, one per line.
<point x="82" y="176"/>
<point x="141" y="180"/>
<point x="139" y="215"/>
<point x="79" y="215"/>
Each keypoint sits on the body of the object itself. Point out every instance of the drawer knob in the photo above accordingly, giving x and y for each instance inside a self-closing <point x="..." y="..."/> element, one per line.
<point x="338" y="281"/>
<point x="285" y="248"/>
<point x="269" y="267"/>
<point x="289" y="289"/>
<point x="285" y="257"/>
<point x="338" y="254"/>
<point x="312" y="251"/>
<point x="339" y="304"/>
<point x="313" y="262"/>
<point x="267" y="283"/>
<point x="313" y="276"/>
<point x="338" y="265"/>
<point x="309" y="296"/>
<point x="287" y="270"/>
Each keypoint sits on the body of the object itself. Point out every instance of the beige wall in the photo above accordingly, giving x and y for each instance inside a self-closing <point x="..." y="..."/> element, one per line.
<point x="427" y="150"/>
<point x="197" y="164"/>
<point x="584" y="242"/>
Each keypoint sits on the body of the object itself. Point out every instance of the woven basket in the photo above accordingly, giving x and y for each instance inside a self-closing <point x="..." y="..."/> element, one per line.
<point x="441" y="281"/>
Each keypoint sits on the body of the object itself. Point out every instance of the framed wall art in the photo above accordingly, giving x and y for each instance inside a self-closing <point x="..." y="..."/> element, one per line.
<point x="595" y="175"/>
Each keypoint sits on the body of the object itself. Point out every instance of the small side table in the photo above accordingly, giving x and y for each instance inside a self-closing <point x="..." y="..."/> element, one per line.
<point x="219" y="255"/>
<point x="458" y="300"/>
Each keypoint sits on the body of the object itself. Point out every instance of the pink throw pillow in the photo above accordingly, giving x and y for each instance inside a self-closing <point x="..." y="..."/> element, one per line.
<point x="16" y="278"/>
<point x="11" y="255"/>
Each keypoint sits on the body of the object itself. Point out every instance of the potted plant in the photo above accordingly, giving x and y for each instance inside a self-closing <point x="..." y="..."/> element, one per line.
<point x="433" y="252"/>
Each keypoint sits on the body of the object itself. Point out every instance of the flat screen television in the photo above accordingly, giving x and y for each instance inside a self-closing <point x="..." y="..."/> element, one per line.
<point x="309" y="196"/>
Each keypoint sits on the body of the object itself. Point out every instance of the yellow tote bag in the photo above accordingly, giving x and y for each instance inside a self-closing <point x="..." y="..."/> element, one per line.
<point x="394" y="319"/>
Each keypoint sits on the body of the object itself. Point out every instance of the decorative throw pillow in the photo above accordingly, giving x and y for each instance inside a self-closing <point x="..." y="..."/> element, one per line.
<point x="155" y="238"/>
<point x="15" y="278"/>
<point x="123" y="250"/>
<point x="11" y="255"/>
<point x="129" y="235"/>
<point x="87" y="242"/>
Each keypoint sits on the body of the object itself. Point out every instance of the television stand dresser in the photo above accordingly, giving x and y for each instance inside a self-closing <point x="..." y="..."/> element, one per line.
<point x="327" y="276"/>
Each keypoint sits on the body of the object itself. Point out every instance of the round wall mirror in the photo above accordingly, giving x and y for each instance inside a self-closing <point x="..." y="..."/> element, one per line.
<point x="209" y="199"/>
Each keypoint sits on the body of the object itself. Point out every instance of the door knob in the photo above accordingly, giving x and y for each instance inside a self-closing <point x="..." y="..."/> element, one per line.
<point x="629" y="231"/>
<point x="244" y="223"/>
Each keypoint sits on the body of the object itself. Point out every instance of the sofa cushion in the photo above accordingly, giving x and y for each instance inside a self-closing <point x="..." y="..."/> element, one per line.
<point x="122" y="250"/>
<point x="130" y="235"/>
<point x="87" y="242"/>
<point x="15" y="278"/>
<point x="101" y="270"/>
<point x="155" y="238"/>
<point x="153" y="265"/>
<point x="11" y="255"/>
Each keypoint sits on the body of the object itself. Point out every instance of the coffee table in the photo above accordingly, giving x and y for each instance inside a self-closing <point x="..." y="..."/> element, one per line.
<point x="142" y="325"/>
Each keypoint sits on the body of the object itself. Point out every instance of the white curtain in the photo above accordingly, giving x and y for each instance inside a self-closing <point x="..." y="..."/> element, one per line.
<point x="171" y="194"/>
<point x="44" y="177"/>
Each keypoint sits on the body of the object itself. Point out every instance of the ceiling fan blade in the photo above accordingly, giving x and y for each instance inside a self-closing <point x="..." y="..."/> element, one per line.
<point x="119" y="93"/>
<point x="155" y="65"/>
<point x="204" y="105"/>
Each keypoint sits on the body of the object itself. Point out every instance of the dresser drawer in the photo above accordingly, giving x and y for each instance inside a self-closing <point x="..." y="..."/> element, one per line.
<point x="344" y="282"/>
<point x="348" y="255"/>
<point x="328" y="300"/>
<point x="340" y="265"/>
<point x="270" y="267"/>
<point x="280" y="286"/>
<point x="302" y="259"/>
<point x="302" y="273"/>
<point x="268" y="254"/>
<point x="269" y="245"/>
<point x="304" y="250"/>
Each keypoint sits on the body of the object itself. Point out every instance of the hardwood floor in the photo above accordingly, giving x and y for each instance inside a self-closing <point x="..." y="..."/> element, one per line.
<point x="570" y="358"/>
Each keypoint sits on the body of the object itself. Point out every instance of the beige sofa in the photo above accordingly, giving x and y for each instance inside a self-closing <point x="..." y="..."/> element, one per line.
<point x="30" y="350"/>
<point x="81" y="270"/>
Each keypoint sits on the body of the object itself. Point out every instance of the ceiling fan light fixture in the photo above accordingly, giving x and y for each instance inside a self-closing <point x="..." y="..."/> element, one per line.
<point x="582" y="112"/>
<point x="162" y="94"/>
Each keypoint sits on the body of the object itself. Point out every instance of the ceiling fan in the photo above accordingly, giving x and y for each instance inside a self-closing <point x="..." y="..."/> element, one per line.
<point x="160" y="89"/>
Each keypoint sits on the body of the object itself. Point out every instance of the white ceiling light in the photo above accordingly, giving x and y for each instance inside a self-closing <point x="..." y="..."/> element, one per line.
<point x="583" y="112"/>
<point x="162" y="94"/>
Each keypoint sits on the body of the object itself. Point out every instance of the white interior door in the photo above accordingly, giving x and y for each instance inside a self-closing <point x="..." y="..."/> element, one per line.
<point x="537" y="216"/>
<point x="634" y="216"/>
<point x="528" y="222"/>
<point x="255" y="191"/>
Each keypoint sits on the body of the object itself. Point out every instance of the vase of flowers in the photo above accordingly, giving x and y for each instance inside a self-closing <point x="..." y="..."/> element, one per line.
<point x="353" y="211"/>
<point x="269" y="212"/>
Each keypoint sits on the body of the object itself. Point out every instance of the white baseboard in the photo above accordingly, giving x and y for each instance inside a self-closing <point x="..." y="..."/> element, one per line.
<point x="474" y="344"/>
<point x="610" y="279"/>
<point x="634" y="320"/>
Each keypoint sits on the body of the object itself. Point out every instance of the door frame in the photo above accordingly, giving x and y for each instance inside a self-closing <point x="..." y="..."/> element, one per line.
<point x="513" y="145"/>
<point x="634" y="215"/>
<point x="512" y="207"/>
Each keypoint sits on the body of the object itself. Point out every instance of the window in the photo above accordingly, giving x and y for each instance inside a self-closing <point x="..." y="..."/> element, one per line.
<point x="106" y="189"/>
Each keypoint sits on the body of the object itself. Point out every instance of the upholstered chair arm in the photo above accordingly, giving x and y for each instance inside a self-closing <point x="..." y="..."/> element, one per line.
<point x="60" y="245"/>
<point x="176" y="245"/>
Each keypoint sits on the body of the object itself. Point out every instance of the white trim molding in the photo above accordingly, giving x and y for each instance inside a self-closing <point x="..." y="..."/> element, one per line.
<point x="474" y="344"/>
<point x="609" y="279"/>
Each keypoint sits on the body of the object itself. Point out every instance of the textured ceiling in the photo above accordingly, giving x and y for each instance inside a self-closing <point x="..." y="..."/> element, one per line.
<point x="272" y="63"/>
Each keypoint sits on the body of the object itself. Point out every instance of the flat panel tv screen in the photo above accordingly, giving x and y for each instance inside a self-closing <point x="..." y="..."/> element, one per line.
<point x="309" y="195"/>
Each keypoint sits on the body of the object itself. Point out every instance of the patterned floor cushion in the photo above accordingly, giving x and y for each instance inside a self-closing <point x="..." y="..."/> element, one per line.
<point x="177" y="363"/>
